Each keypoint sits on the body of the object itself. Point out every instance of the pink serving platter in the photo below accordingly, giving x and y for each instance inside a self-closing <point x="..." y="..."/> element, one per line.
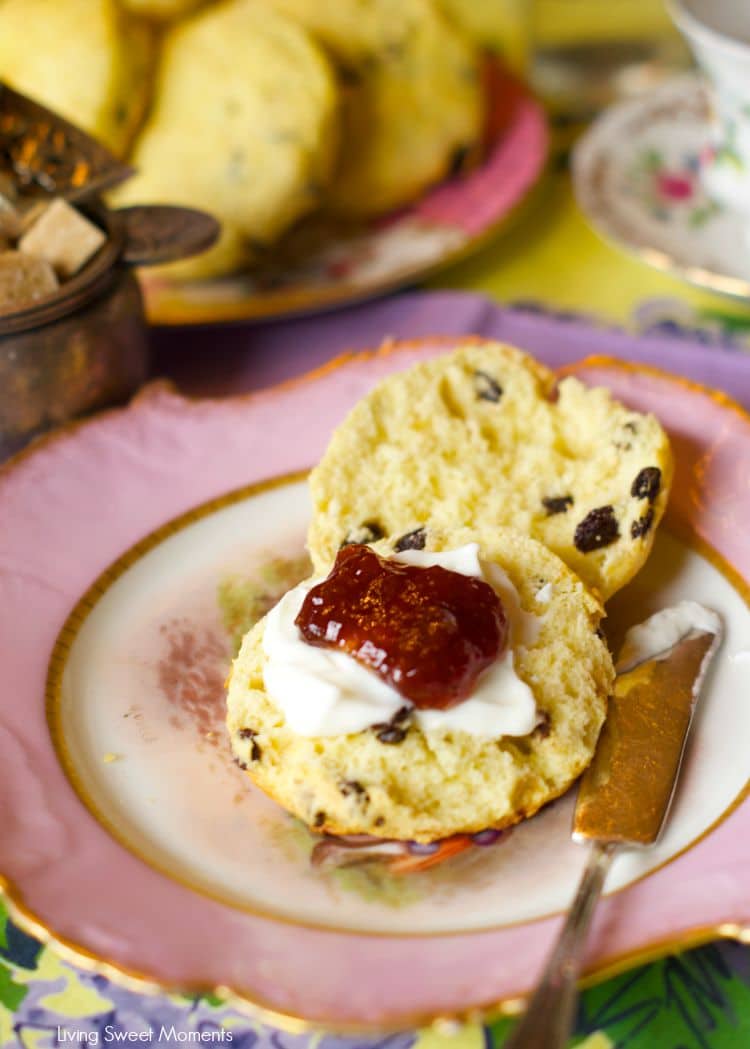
<point x="323" y="265"/>
<point x="131" y="840"/>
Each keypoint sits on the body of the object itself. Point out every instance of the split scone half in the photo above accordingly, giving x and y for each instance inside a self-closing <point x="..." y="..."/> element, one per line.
<point x="487" y="436"/>
<point x="394" y="770"/>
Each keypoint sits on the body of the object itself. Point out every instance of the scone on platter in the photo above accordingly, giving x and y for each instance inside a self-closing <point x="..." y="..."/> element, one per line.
<point x="437" y="683"/>
<point x="244" y="124"/>
<point x="413" y="106"/>
<point x="486" y="437"/>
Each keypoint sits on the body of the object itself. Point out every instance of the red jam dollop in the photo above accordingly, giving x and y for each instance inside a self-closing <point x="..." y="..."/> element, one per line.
<point x="428" y="632"/>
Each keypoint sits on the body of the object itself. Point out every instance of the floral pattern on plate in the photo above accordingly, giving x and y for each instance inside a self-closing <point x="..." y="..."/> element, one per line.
<point x="670" y="188"/>
<point x="636" y="175"/>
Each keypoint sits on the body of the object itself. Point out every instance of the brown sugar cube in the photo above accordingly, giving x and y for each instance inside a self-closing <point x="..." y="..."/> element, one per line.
<point x="63" y="237"/>
<point x="10" y="219"/>
<point x="23" y="280"/>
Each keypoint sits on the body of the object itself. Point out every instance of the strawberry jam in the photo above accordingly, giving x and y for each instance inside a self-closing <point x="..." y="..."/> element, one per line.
<point x="428" y="632"/>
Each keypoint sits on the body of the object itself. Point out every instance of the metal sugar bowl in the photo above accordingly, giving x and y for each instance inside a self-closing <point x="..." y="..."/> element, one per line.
<point x="84" y="346"/>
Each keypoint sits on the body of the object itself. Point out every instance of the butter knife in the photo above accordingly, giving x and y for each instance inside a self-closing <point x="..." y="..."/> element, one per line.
<point x="626" y="792"/>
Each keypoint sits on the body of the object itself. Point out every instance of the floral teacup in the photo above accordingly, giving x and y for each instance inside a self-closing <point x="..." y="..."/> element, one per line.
<point x="718" y="32"/>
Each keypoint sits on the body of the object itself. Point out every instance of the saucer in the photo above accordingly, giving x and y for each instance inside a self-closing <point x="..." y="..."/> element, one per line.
<point x="636" y="175"/>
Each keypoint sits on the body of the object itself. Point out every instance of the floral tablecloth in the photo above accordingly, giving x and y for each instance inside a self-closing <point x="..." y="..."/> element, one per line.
<point x="696" y="1000"/>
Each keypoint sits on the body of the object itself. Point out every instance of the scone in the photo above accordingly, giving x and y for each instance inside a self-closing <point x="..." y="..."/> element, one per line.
<point x="244" y="124"/>
<point x="412" y="99"/>
<point x="425" y="774"/>
<point x="486" y="437"/>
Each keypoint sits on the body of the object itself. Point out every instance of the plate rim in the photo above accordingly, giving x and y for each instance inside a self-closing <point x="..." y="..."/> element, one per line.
<point x="509" y="1004"/>
<point x="593" y="144"/>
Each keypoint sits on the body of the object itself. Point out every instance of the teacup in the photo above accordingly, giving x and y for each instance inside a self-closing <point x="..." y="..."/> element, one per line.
<point x="718" y="32"/>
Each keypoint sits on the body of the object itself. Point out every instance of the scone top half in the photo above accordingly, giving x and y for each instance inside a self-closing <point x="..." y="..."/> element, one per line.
<point x="486" y="437"/>
<point x="429" y="778"/>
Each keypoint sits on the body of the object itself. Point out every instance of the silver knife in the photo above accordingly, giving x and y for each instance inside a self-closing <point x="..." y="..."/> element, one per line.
<point x="625" y="794"/>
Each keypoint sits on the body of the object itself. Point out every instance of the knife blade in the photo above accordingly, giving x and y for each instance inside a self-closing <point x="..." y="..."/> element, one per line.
<point x="625" y="794"/>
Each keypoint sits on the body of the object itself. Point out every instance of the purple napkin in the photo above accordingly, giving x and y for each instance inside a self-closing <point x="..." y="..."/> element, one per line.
<point x="221" y="361"/>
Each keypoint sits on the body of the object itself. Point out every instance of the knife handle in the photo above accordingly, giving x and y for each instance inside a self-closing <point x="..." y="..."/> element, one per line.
<point x="550" y="1012"/>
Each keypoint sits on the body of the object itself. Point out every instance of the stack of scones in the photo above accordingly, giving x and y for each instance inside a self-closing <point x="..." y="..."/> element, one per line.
<point x="261" y="112"/>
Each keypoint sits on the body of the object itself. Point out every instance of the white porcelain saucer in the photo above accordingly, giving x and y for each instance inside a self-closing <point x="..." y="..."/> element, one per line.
<point x="636" y="174"/>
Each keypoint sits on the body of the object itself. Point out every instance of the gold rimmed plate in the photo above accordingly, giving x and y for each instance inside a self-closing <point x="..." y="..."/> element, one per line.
<point x="133" y="813"/>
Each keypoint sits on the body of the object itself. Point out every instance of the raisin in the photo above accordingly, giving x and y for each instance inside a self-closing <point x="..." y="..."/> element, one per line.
<point x="255" y="752"/>
<point x="642" y="526"/>
<point x="487" y="388"/>
<point x="411" y="541"/>
<point x="390" y="734"/>
<point x="543" y="729"/>
<point x="597" y="529"/>
<point x="319" y="820"/>
<point x="241" y="764"/>
<point x="380" y="821"/>
<point x="394" y="731"/>
<point x="367" y="532"/>
<point x="557" y="504"/>
<point x="352" y="786"/>
<point x="647" y="484"/>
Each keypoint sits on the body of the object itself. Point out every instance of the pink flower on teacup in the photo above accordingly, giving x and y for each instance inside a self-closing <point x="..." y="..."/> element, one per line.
<point x="675" y="185"/>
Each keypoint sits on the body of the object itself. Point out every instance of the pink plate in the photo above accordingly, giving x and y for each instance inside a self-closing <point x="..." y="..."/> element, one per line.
<point x="326" y="265"/>
<point x="175" y="871"/>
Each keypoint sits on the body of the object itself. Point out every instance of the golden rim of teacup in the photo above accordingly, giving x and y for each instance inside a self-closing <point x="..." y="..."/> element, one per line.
<point x="693" y="26"/>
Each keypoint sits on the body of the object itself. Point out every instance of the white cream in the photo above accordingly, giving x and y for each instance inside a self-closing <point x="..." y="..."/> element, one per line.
<point x="325" y="692"/>
<point x="658" y="634"/>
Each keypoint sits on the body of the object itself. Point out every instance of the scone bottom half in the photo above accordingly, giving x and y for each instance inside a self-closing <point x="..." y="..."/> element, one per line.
<point x="399" y="782"/>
